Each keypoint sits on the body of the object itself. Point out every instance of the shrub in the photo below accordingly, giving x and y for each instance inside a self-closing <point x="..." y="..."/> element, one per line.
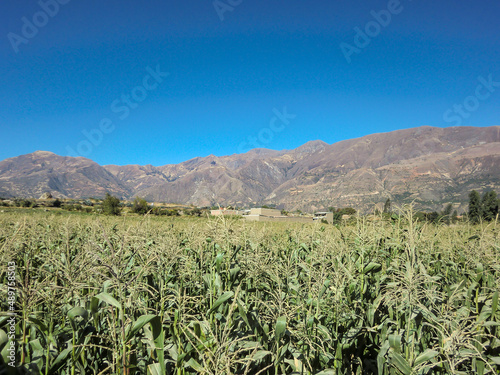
<point x="140" y="206"/>
<point x="111" y="205"/>
<point x="173" y="212"/>
<point x="194" y="212"/>
<point x="25" y="203"/>
<point x="158" y="211"/>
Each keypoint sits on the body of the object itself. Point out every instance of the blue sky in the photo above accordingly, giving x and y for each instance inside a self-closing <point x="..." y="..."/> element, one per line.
<point x="89" y="78"/>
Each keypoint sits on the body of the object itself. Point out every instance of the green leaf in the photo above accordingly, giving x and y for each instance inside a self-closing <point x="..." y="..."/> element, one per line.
<point x="280" y="327"/>
<point x="109" y="299"/>
<point x="372" y="267"/>
<point x="395" y="342"/>
<point x="76" y="312"/>
<point x="397" y="360"/>
<point x="326" y="372"/>
<point x="141" y="322"/>
<point x="36" y="347"/>
<point x="494" y="303"/>
<point x="158" y="336"/>
<point x="60" y="361"/>
<point x="195" y="365"/>
<point x="260" y="354"/>
<point x="243" y="314"/>
<point x="39" y="324"/>
<point x="381" y="356"/>
<point x="94" y="305"/>
<point x="218" y="261"/>
<point x="479" y="271"/>
<point x="491" y="324"/>
<point x="425" y="356"/>
<point x="221" y="300"/>
<point x="3" y="338"/>
<point x="495" y="360"/>
<point x="324" y="288"/>
<point x="233" y="273"/>
<point x="155" y="369"/>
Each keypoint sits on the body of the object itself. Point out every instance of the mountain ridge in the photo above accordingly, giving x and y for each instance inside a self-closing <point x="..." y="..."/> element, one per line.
<point x="429" y="165"/>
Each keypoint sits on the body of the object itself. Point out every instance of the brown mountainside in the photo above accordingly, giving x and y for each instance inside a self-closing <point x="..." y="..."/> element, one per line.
<point x="431" y="166"/>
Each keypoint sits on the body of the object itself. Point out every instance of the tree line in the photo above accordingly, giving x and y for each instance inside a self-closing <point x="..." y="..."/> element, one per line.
<point x="483" y="208"/>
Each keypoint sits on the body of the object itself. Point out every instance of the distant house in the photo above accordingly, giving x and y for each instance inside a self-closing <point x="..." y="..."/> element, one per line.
<point x="265" y="212"/>
<point x="271" y="214"/>
<point x="328" y="216"/>
<point x="224" y="212"/>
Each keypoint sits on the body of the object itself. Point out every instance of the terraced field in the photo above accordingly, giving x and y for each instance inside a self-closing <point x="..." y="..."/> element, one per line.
<point x="160" y="295"/>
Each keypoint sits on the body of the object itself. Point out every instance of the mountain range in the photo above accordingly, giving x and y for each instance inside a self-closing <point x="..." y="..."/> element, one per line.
<point x="426" y="165"/>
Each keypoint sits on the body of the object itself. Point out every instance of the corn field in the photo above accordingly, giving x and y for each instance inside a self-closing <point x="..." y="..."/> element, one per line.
<point x="158" y="295"/>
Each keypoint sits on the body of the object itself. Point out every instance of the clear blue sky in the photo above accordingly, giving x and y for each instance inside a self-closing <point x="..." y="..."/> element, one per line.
<point x="233" y="70"/>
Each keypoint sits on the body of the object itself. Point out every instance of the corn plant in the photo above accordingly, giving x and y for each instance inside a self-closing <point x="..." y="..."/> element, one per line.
<point x="162" y="295"/>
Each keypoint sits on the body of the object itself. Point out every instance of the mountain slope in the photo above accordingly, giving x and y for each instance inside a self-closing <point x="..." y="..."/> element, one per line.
<point x="426" y="164"/>
<point x="431" y="166"/>
<point x="33" y="174"/>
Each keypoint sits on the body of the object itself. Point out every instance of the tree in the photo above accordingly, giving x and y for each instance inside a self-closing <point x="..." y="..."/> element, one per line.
<point x="475" y="209"/>
<point x="195" y="212"/>
<point x="337" y="217"/>
<point x="348" y="211"/>
<point x="447" y="210"/>
<point x="172" y="212"/>
<point x="387" y="206"/>
<point x="140" y="206"/>
<point x="433" y="217"/>
<point x="446" y="214"/>
<point x="111" y="205"/>
<point x="489" y="206"/>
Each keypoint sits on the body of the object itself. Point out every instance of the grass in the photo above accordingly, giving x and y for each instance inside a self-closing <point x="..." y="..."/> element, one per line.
<point x="161" y="295"/>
